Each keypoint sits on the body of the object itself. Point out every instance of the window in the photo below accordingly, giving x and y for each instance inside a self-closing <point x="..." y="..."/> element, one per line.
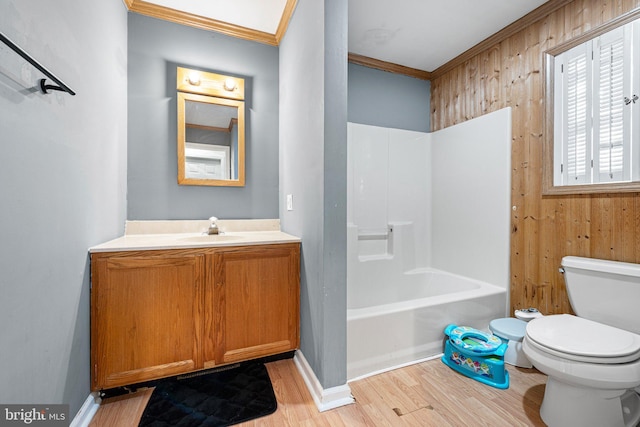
<point x="596" y="136"/>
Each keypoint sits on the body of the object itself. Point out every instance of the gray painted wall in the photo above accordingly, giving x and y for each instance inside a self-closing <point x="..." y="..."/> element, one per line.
<point x="380" y="98"/>
<point x="313" y="142"/>
<point x="156" y="48"/>
<point x="65" y="178"/>
<point x="63" y="189"/>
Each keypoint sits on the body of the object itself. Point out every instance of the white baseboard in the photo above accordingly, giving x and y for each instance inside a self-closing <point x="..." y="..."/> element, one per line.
<point x="393" y="368"/>
<point x="87" y="411"/>
<point x="324" y="399"/>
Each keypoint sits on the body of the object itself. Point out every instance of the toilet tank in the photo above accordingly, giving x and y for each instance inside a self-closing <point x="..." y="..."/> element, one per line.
<point x="604" y="291"/>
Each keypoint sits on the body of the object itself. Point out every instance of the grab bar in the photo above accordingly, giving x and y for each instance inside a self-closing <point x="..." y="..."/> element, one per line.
<point x="43" y="86"/>
<point x="375" y="235"/>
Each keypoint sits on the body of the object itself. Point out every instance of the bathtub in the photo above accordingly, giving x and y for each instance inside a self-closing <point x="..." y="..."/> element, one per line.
<point x="403" y="323"/>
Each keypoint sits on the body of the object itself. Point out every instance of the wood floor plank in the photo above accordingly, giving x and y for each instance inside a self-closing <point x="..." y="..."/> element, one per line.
<point x="353" y="416"/>
<point x="122" y="409"/>
<point x="425" y="417"/>
<point x="373" y="403"/>
<point x="421" y="395"/>
<point x="395" y="395"/>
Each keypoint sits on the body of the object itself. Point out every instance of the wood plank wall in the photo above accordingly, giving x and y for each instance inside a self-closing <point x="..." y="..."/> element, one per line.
<point x="544" y="229"/>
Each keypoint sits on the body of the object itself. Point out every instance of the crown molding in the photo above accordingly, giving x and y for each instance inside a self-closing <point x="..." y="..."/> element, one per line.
<point x="287" y="13"/>
<point x="185" y="18"/>
<point x="365" y="61"/>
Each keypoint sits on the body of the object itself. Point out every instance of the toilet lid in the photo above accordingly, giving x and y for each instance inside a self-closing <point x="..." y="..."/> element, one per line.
<point x="581" y="339"/>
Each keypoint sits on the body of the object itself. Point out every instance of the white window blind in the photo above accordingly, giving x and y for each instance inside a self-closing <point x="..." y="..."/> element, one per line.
<point x="576" y="76"/>
<point x="612" y="157"/>
<point x="592" y="81"/>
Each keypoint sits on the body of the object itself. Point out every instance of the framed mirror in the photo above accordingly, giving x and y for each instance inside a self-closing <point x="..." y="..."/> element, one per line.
<point x="211" y="130"/>
<point x="592" y="114"/>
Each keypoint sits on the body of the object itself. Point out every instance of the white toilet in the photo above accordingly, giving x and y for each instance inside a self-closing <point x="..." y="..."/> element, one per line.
<point x="592" y="359"/>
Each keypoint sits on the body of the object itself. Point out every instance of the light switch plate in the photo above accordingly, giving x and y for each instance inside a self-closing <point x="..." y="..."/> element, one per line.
<point x="289" y="202"/>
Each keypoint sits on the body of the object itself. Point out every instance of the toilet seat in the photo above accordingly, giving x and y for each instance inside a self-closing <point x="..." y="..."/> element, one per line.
<point x="480" y="342"/>
<point x="575" y="338"/>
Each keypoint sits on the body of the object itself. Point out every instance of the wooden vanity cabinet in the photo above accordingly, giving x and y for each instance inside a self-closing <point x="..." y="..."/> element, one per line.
<point x="165" y="312"/>
<point x="144" y="316"/>
<point x="254" y="301"/>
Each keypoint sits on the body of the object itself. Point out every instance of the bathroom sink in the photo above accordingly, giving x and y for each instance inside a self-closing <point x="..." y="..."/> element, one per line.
<point x="210" y="238"/>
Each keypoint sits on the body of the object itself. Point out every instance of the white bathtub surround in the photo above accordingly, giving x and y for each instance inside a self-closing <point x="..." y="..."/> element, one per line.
<point x="471" y="198"/>
<point x="365" y="268"/>
<point x="388" y="184"/>
<point x="325" y="399"/>
<point x="407" y="320"/>
<point x="428" y="237"/>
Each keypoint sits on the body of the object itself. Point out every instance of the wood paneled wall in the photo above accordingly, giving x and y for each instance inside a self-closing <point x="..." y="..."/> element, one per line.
<point x="544" y="229"/>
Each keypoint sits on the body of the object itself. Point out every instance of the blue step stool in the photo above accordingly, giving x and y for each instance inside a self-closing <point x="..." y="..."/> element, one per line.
<point x="476" y="354"/>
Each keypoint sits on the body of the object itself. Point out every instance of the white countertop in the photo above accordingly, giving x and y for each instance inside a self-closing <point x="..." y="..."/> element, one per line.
<point x="153" y="235"/>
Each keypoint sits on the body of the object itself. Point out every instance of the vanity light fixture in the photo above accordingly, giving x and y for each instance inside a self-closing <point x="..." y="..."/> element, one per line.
<point x="210" y="84"/>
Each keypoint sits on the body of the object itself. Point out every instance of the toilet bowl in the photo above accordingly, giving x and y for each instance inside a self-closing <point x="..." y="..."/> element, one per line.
<point x="592" y="361"/>
<point x="591" y="367"/>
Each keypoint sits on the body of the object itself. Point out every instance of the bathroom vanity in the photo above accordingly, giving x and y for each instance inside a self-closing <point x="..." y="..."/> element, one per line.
<point x="172" y="302"/>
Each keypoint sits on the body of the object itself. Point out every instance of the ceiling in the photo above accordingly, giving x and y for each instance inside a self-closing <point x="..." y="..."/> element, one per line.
<point x="419" y="34"/>
<point x="260" y="15"/>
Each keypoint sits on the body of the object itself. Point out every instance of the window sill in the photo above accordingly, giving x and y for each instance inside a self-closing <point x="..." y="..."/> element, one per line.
<point x="619" y="187"/>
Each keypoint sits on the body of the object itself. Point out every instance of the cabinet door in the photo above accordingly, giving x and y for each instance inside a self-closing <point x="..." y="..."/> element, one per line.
<point x="252" y="308"/>
<point x="145" y="315"/>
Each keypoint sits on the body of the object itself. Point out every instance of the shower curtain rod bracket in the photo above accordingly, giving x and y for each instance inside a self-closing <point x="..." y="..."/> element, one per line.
<point x="45" y="87"/>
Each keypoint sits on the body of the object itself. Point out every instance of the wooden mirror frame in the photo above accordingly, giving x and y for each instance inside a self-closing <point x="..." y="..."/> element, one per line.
<point x="209" y="88"/>
<point x="548" y="188"/>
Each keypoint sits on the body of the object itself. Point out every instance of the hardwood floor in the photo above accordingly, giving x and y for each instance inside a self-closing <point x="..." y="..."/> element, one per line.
<point x="424" y="394"/>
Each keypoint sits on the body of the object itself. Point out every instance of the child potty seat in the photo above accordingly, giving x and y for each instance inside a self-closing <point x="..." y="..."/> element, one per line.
<point x="476" y="354"/>
<point x="478" y="342"/>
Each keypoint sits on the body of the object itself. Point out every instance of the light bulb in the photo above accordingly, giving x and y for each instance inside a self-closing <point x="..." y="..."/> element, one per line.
<point x="194" y="79"/>
<point x="229" y="84"/>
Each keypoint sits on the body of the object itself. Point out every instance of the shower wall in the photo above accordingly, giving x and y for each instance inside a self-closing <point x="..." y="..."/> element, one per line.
<point x="429" y="200"/>
<point x="388" y="189"/>
<point x="471" y="198"/>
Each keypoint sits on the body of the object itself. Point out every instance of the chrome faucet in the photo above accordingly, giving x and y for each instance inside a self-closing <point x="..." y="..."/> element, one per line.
<point x="213" y="227"/>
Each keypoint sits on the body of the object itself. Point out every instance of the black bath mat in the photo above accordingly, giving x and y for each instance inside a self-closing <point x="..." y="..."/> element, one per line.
<point x="220" y="398"/>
